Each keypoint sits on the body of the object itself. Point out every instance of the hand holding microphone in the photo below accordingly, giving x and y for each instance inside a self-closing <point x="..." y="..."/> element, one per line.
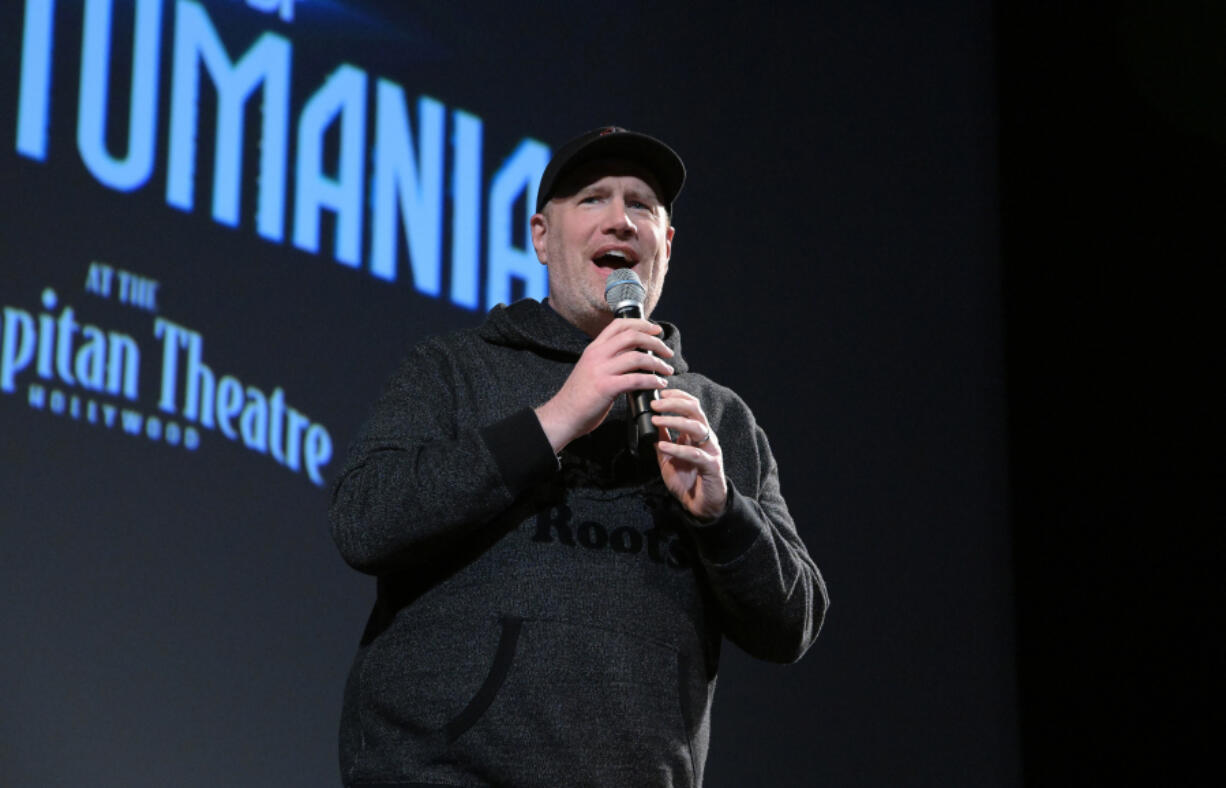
<point x="688" y="451"/>
<point x="628" y="355"/>
<point x="624" y="293"/>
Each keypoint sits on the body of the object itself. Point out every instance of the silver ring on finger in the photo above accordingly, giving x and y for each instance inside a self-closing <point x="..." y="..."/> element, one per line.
<point x="705" y="438"/>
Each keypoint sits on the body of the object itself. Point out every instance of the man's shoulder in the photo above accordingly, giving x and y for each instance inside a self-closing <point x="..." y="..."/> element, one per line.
<point x="721" y="403"/>
<point x="486" y="332"/>
<point x="696" y="382"/>
<point x="502" y="331"/>
<point x="441" y="348"/>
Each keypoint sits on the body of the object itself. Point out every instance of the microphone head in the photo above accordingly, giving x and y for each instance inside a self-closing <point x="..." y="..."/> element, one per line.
<point x="623" y="288"/>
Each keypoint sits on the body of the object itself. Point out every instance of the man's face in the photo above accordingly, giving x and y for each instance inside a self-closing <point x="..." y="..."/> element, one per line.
<point x="607" y="216"/>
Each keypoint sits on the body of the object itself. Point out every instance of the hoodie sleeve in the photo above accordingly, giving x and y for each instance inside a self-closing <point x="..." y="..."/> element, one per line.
<point x="772" y="596"/>
<point x="418" y="479"/>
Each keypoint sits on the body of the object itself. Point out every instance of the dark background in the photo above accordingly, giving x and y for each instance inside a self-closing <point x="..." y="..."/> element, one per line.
<point x="1113" y="142"/>
<point x="951" y="253"/>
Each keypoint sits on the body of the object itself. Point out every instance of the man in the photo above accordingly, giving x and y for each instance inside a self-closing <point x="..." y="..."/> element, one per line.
<point x="550" y="608"/>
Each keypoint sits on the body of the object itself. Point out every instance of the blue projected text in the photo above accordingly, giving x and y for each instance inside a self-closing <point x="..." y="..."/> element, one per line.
<point x="410" y="159"/>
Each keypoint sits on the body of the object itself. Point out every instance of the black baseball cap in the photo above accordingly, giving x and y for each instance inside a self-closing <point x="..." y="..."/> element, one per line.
<point x="614" y="142"/>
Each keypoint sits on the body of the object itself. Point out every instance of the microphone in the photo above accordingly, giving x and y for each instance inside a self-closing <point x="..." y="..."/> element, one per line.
<point x="624" y="293"/>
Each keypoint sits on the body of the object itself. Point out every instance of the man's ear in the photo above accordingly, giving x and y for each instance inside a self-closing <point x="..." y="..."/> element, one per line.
<point x="539" y="225"/>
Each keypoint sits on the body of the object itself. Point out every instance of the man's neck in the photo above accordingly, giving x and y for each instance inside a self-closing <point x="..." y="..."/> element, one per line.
<point x="590" y="327"/>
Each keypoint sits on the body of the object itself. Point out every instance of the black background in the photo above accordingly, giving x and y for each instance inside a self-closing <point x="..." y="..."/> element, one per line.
<point x="1113" y="141"/>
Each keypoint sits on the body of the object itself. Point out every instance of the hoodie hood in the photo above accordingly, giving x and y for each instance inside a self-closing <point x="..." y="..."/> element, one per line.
<point x="532" y="325"/>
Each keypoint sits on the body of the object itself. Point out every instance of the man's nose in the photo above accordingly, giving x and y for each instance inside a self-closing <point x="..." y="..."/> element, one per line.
<point x="618" y="219"/>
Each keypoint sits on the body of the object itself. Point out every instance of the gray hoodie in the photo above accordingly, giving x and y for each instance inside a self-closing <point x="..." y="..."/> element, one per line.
<point x="540" y="619"/>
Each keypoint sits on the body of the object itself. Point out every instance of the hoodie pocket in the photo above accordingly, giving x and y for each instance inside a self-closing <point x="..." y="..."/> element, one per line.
<point x="530" y="701"/>
<point x="503" y="656"/>
<point x="601" y="705"/>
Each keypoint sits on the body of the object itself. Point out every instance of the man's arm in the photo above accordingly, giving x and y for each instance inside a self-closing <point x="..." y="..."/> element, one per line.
<point x="418" y="479"/>
<point x="773" y="597"/>
<point x="771" y="594"/>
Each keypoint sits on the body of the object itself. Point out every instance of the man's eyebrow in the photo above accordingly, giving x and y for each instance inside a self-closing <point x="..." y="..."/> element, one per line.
<point x="646" y="195"/>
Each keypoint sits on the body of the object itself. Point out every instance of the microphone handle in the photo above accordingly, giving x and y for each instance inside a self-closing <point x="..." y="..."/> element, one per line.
<point x="641" y="433"/>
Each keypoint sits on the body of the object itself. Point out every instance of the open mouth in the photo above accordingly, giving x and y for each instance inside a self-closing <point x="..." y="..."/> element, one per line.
<point x="613" y="259"/>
